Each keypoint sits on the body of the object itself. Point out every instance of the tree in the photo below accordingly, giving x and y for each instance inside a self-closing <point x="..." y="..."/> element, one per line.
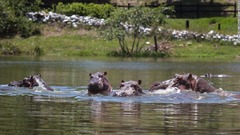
<point x="132" y="27"/>
<point x="12" y="17"/>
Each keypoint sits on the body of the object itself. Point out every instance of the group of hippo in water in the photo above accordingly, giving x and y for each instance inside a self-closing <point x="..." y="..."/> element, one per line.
<point x="99" y="84"/>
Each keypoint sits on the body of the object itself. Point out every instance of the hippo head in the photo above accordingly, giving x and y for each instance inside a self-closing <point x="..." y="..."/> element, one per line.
<point x="36" y="80"/>
<point x="27" y="82"/>
<point x="98" y="83"/>
<point x="185" y="81"/>
<point x="129" y="88"/>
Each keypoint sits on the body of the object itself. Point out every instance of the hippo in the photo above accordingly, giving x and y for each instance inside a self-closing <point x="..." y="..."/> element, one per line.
<point x="129" y="88"/>
<point x="215" y="75"/>
<point x="99" y="84"/>
<point x="30" y="82"/>
<point x="193" y="82"/>
<point x="165" y="84"/>
<point x="26" y="82"/>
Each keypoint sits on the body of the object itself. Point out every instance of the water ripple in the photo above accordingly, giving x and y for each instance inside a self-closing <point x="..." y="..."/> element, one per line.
<point x="74" y="94"/>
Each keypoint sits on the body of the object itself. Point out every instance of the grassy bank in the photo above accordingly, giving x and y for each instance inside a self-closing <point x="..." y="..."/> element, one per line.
<point x="193" y="49"/>
<point x="228" y="25"/>
<point x="62" y="41"/>
<point x="57" y="40"/>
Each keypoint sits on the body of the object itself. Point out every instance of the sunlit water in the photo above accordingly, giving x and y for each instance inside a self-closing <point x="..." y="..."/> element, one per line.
<point x="70" y="110"/>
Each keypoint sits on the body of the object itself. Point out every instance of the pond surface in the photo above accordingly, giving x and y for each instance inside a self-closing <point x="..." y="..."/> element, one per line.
<point x="69" y="110"/>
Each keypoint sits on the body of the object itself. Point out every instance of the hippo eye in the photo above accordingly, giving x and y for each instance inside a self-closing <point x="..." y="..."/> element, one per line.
<point x="123" y="94"/>
<point x="122" y="85"/>
<point x="133" y="85"/>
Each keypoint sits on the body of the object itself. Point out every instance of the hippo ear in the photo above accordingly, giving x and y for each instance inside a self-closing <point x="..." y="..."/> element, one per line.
<point x="31" y="77"/>
<point x="105" y="73"/>
<point x="190" y="76"/>
<point x="90" y="74"/>
<point x="122" y="81"/>
<point x="176" y="75"/>
<point x="139" y="82"/>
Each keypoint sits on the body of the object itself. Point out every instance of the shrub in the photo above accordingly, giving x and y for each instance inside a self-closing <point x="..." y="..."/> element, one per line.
<point x="37" y="51"/>
<point x="27" y="28"/>
<point x="137" y="24"/>
<point x="7" y="48"/>
<point x="12" y="16"/>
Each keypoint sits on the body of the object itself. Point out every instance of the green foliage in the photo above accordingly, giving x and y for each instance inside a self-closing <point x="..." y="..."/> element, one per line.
<point x="37" y="51"/>
<point x="28" y="28"/>
<point x="94" y="10"/>
<point x="12" y="17"/>
<point x="136" y="19"/>
<point x="8" y="48"/>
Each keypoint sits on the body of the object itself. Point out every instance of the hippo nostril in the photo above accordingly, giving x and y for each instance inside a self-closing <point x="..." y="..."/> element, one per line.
<point x="134" y="93"/>
<point x="123" y="94"/>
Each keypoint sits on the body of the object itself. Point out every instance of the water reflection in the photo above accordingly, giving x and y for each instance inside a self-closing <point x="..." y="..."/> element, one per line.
<point x="50" y="115"/>
<point x="180" y="115"/>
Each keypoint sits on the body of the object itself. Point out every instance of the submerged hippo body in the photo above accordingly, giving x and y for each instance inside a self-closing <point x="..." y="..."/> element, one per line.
<point x="162" y="85"/>
<point x="30" y="82"/>
<point x="129" y="88"/>
<point x="215" y="75"/>
<point x="99" y="84"/>
<point x="193" y="82"/>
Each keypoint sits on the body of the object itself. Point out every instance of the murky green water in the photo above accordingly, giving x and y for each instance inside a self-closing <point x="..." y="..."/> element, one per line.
<point x="69" y="110"/>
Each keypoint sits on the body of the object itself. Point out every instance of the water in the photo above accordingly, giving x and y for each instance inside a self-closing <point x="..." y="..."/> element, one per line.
<point x="69" y="110"/>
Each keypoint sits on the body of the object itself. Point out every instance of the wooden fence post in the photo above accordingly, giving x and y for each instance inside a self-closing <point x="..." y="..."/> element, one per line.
<point x="187" y="24"/>
<point x="219" y="26"/>
<point x="155" y="43"/>
<point x="128" y="5"/>
<point x="235" y="9"/>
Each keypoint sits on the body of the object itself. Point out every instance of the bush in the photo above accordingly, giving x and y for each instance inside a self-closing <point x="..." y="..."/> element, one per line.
<point x="12" y="17"/>
<point x="7" y="48"/>
<point x="132" y="28"/>
<point x="94" y="10"/>
<point x="27" y="28"/>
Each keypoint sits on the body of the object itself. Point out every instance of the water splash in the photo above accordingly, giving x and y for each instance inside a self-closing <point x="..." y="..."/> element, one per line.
<point x="76" y="94"/>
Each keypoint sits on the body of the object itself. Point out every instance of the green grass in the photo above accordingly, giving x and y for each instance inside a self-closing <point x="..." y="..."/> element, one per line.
<point x="204" y="25"/>
<point x="204" y="49"/>
<point x="67" y="45"/>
